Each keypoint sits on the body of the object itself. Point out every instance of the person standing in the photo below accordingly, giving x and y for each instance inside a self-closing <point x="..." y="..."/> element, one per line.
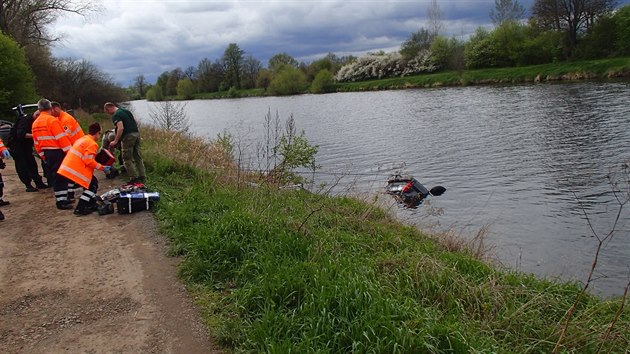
<point x="52" y="143"/>
<point x="79" y="165"/>
<point x="22" y="151"/>
<point x="4" y="154"/>
<point x="128" y="135"/>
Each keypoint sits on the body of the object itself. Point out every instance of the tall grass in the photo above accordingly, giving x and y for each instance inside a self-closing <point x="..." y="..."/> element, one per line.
<point x="285" y="271"/>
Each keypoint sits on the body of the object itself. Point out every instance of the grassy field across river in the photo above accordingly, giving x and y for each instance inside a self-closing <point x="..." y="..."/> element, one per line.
<point x="284" y="271"/>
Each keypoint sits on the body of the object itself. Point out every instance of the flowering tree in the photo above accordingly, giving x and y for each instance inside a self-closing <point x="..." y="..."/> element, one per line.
<point x="382" y="65"/>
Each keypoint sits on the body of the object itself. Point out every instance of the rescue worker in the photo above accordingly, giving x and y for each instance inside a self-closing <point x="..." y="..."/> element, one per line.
<point x="79" y="166"/>
<point x="52" y="144"/>
<point x="72" y="128"/>
<point x="128" y="135"/>
<point x="22" y="151"/>
<point x="4" y="154"/>
<point x="69" y="124"/>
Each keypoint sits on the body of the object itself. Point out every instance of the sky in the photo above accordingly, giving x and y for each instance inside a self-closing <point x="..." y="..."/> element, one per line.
<point x="144" y="37"/>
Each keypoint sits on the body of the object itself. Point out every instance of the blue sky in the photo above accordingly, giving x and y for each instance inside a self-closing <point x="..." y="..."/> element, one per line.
<point x="128" y="38"/>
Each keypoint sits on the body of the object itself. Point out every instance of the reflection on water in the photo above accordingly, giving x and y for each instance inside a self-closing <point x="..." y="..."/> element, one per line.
<point x="514" y="158"/>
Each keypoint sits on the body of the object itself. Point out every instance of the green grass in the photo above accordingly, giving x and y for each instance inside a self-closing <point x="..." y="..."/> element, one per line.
<point x="289" y="271"/>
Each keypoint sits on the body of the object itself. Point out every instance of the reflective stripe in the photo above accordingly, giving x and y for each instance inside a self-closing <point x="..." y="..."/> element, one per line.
<point x="85" y="197"/>
<point x="66" y="148"/>
<point x="1" y="144"/>
<point x="75" y="131"/>
<point x="60" y="135"/>
<point x="46" y="137"/>
<point x="75" y="152"/>
<point x="79" y="154"/>
<point x="74" y="173"/>
<point x="58" y="193"/>
<point x="49" y="148"/>
<point x="90" y="193"/>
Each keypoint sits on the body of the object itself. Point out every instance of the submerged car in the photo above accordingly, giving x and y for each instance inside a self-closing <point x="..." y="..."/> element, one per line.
<point x="409" y="191"/>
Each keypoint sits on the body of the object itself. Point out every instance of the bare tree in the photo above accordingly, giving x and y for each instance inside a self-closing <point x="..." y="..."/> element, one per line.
<point x="251" y="68"/>
<point x="189" y="72"/>
<point x="171" y="116"/>
<point x="570" y="16"/>
<point x="140" y="84"/>
<point x="26" y="21"/>
<point x="434" y="16"/>
<point x="506" y="10"/>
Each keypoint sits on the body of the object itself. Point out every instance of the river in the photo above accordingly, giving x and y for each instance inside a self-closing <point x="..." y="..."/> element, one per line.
<point x="527" y="164"/>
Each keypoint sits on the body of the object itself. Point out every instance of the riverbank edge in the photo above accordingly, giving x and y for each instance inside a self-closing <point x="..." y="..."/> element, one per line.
<point x="600" y="69"/>
<point x="276" y="270"/>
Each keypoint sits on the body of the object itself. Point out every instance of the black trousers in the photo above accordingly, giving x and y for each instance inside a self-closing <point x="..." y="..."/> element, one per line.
<point x="88" y="197"/>
<point x="59" y="182"/>
<point x="26" y="166"/>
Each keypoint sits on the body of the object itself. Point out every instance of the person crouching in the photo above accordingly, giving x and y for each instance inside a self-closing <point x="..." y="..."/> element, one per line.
<point x="79" y="165"/>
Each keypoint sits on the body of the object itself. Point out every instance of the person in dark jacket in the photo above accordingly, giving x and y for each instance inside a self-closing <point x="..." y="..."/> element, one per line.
<point x="22" y="152"/>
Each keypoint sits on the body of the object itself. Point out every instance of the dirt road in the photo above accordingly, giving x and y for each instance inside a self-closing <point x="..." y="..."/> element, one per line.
<point x="90" y="284"/>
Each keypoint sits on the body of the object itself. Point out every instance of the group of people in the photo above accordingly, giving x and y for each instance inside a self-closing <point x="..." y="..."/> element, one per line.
<point x="68" y="155"/>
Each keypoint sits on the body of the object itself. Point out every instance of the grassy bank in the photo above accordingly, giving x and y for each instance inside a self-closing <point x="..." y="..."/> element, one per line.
<point x="289" y="271"/>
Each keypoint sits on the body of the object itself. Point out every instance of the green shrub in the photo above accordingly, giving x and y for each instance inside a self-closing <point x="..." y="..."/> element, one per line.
<point x="185" y="89"/>
<point x="622" y="19"/>
<point x="16" y="78"/>
<point x="233" y="93"/>
<point x="288" y="81"/>
<point x="155" y="94"/>
<point x="323" y="82"/>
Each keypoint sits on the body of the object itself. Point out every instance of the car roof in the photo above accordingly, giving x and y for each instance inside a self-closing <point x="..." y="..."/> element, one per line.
<point x="30" y="105"/>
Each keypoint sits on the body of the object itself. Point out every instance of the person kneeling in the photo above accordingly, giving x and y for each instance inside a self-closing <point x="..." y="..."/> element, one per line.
<point x="79" y="165"/>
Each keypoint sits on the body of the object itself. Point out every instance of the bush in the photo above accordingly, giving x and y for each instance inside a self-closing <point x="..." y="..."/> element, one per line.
<point x="543" y="48"/>
<point x="185" y="89"/>
<point x="443" y="51"/>
<point x="622" y="20"/>
<point x="154" y="94"/>
<point x="323" y="82"/>
<point x="233" y="93"/>
<point x="16" y="78"/>
<point x="288" y="81"/>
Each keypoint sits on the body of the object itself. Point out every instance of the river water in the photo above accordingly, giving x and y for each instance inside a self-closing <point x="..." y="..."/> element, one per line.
<point x="528" y="163"/>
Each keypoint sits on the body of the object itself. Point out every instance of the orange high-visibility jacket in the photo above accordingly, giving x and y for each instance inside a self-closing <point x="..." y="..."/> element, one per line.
<point x="79" y="164"/>
<point x="71" y="126"/>
<point x="48" y="134"/>
<point x="2" y="147"/>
